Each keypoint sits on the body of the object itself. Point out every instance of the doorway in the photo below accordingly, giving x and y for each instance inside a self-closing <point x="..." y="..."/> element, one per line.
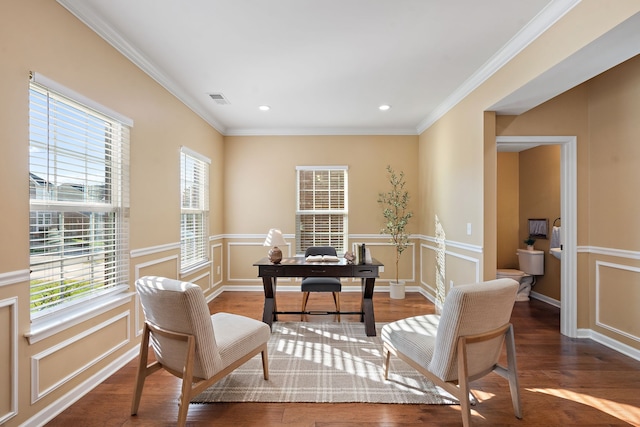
<point x="568" y="213"/>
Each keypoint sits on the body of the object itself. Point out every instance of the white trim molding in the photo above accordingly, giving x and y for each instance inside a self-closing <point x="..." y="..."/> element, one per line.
<point x="12" y="347"/>
<point x="73" y="317"/>
<point x="613" y="344"/>
<point x="569" y="214"/>
<point x="59" y="405"/>
<point x="152" y="250"/>
<point x="537" y="26"/>
<point x="14" y="277"/>
<point x="379" y="280"/>
<point x="213" y="264"/>
<point x="257" y="279"/>
<point x="475" y="261"/>
<point x="598" y="286"/>
<point x="453" y="244"/>
<point x="36" y="394"/>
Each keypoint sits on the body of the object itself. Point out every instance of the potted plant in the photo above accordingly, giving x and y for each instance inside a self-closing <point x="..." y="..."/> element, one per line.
<point x="396" y="217"/>
<point x="529" y="241"/>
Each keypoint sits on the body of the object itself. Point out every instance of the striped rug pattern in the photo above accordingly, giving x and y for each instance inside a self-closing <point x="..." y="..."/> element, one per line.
<point x="324" y="363"/>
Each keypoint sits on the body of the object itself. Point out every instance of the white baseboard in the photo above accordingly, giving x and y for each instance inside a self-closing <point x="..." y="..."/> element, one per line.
<point x="296" y="288"/>
<point x="544" y="298"/>
<point x="610" y="342"/>
<point x="55" y="408"/>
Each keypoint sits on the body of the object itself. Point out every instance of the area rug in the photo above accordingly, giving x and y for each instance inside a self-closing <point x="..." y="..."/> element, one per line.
<point x="324" y="363"/>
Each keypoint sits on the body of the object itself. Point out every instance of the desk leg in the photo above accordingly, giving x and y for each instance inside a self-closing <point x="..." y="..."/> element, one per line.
<point x="367" y="315"/>
<point x="269" y="313"/>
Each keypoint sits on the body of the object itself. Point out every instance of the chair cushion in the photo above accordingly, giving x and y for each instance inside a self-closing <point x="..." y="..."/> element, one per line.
<point x="414" y="337"/>
<point x="238" y="335"/>
<point x="321" y="284"/>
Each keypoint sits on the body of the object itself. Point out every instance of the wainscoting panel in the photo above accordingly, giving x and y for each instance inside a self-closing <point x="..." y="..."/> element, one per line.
<point x="59" y="364"/>
<point x="617" y="298"/>
<point x="9" y="359"/>
<point x="440" y="267"/>
<point x="203" y="280"/>
<point x="385" y="252"/>
<point x="165" y="267"/>
<point x="240" y="259"/>
<point x="216" y="265"/>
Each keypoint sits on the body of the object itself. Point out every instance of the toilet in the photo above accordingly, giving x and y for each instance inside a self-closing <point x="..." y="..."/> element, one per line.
<point x="530" y="264"/>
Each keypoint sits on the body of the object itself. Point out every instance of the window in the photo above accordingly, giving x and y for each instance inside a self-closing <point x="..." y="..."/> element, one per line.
<point x="194" y="219"/>
<point x="79" y="198"/>
<point x="321" y="216"/>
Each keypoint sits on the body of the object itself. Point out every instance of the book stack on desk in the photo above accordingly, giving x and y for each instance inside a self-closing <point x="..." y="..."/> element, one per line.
<point x="322" y="258"/>
<point x="363" y="255"/>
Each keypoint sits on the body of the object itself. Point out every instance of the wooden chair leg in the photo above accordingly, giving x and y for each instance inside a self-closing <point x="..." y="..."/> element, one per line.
<point x="187" y="380"/>
<point x="265" y="362"/>
<point x="463" y="383"/>
<point x="336" y="300"/>
<point x="141" y="373"/>
<point x="386" y="354"/>
<point x="305" y="299"/>
<point x="512" y="368"/>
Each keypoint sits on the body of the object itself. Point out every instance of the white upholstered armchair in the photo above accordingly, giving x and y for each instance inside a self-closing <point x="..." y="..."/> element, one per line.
<point x="189" y="342"/>
<point x="462" y="344"/>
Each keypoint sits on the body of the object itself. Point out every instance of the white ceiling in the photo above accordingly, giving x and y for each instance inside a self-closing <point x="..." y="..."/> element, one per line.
<point x="323" y="67"/>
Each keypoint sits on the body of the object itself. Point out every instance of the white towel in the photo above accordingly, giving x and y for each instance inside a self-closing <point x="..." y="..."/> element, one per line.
<point x="555" y="237"/>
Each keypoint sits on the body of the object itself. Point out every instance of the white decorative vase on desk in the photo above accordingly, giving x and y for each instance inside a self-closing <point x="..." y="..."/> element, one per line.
<point x="396" y="289"/>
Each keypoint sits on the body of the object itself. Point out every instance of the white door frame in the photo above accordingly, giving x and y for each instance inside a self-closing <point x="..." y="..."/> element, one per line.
<point x="569" y="215"/>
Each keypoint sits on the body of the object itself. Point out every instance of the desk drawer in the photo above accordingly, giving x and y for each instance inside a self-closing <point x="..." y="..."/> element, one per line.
<point x="318" y="270"/>
<point x="271" y="270"/>
<point x="363" y="270"/>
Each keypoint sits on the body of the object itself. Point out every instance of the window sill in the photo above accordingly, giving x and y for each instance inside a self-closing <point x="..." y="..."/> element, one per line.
<point x="51" y="325"/>
<point x="193" y="268"/>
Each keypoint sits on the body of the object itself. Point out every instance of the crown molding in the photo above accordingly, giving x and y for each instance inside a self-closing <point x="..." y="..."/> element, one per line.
<point x="536" y="27"/>
<point x="547" y="17"/>
<point x="84" y="13"/>
<point x="319" y="131"/>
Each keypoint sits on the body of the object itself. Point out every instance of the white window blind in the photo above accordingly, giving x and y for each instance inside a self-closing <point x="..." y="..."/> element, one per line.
<point x="321" y="216"/>
<point x="79" y="199"/>
<point x="194" y="187"/>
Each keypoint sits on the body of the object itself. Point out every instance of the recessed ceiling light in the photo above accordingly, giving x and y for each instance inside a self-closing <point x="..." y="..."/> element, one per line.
<point x="264" y="108"/>
<point x="384" y="107"/>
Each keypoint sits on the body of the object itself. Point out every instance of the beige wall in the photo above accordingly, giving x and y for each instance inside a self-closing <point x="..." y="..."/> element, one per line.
<point x="508" y="212"/>
<point x="455" y="173"/>
<point x="260" y="192"/>
<point x="260" y="176"/>
<point x="42" y="36"/>
<point x="452" y="181"/>
<point x="603" y="114"/>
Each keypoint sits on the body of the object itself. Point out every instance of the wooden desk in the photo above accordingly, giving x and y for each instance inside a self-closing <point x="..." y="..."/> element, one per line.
<point x="297" y="267"/>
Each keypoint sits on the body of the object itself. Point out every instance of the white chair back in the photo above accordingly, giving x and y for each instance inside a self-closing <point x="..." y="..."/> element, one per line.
<point x="180" y="307"/>
<point x="470" y="310"/>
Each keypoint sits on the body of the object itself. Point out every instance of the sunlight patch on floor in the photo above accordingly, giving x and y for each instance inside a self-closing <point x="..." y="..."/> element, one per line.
<point x="623" y="412"/>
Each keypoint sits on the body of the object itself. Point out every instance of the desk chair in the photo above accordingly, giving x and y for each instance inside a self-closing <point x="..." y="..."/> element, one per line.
<point x="321" y="284"/>
<point x="463" y="344"/>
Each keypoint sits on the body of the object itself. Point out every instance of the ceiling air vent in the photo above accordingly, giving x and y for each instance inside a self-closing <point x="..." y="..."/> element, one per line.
<point x="219" y="98"/>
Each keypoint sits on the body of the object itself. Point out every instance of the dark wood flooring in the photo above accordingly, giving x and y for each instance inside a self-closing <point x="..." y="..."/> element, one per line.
<point x="564" y="381"/>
